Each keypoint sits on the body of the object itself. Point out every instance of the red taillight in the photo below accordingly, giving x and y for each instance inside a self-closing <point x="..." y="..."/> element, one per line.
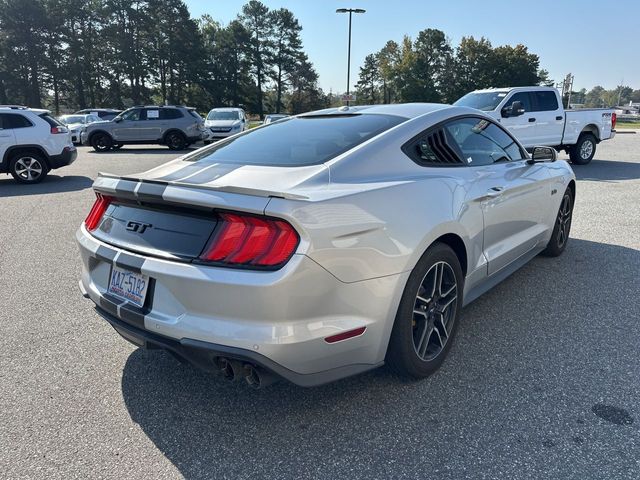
<point x="614" y="119"/>
<point x="97" y="211"/>
<point x="55" y="130"/>
<point x="252" y="241"/>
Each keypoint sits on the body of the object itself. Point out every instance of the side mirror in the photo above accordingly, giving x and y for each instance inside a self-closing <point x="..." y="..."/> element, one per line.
<point x="543" y="154"/>
<point x="514" y="110"/>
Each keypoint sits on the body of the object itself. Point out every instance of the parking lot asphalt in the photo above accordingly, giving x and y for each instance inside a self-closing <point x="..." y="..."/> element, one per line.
<point x="543" y="380"/>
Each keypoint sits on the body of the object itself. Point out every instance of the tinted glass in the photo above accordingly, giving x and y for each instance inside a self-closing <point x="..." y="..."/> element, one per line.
<point x="482" y="143"/>
<point x="14" y="121"/>
<point x="218" y="115"/>
<point x="50" y="120"/>
<point x="485" y="101"/>
<point x="195" y="114"/>
<point x="521" y="97"/>
<point x="299" y="141"/>
<point x="170" y="114"/>
<point x="545" y="101"/>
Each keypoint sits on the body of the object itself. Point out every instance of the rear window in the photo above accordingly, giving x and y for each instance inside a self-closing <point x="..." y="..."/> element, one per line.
<point x="299" y="141"/>
<point x="50" y="120"/>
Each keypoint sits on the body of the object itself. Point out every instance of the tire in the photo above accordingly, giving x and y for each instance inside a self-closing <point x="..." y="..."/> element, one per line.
<point x="582" y="152"/>
<point x="175" y="141"/>
<point x="428" y="314"/>
<point x="101" y="142"/>
<point x="28" y="167"/>
<point x="562" y="226"/>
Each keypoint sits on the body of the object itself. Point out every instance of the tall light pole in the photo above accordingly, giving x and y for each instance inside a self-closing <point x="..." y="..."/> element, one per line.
<point x="350" y="11"/>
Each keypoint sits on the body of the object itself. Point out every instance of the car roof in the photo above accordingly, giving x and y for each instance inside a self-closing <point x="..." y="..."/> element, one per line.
<point x="536" y="88"/>
<point x="226" y="109"/>
<point x="407" y="110"/>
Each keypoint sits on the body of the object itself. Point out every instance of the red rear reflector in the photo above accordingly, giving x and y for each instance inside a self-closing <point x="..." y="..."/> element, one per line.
<point x="97" y="211"/>
<point x="614" y="120"/>
<point x="251" y="240"/>
<point x="345" y="335"/>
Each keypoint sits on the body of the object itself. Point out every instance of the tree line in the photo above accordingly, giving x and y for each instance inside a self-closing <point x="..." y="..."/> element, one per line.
<point x="73" y="54"/>
<point x="430" y="69"/>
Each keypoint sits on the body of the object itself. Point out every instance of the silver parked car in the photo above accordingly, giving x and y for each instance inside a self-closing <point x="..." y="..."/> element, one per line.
<point x="174" y="126"/>
<point x="224" y="122"/>
<point x="325" y="244"/>
<point x="76" y="124"/>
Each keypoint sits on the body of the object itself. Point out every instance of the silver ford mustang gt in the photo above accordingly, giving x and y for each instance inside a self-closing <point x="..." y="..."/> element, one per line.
<point x="323" y="245"/>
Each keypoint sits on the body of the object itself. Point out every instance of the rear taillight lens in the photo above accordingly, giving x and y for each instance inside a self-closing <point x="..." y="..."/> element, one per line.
<point x="97" y="211"/>
<point x="614" y="120"/>
<point x="251" y="241"/>
<point x="55" y="130"/>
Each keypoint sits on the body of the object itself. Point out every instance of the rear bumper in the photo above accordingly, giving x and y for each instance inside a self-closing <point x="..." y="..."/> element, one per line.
<point x="275" y="319"/>
<point x="67" y="157"/>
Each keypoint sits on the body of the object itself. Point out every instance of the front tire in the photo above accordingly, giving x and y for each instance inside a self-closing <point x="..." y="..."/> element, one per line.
<point x="28" y="167"/>
<point x="101" y="142"/>
<point x="584" y="150"/>
<point x="562" y="227"/>
<point x="428" y="314"/>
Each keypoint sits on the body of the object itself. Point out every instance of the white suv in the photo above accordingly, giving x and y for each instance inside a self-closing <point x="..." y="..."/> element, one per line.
<point x="224" y="122"/>
<point x="32" y="143"/>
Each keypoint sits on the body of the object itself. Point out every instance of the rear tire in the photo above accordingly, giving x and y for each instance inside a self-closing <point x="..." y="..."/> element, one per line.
<point x="428" y="314"/>
<point x="562" y="227"/>
<point x="101" y="142"/>
<point x="28" y="167"/>
<point x="583" y="151"/>
<point x="176" y="141"/>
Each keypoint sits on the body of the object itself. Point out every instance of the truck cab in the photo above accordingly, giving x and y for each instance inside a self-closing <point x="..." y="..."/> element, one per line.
<point x="536" y="116"/>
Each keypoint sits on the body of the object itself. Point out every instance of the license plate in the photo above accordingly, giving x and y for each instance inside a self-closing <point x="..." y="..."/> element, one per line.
<point x="128" y="285"/>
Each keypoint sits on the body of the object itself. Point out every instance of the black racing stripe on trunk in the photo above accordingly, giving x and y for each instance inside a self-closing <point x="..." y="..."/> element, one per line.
<point x="131" y="316"/>
<point x="130" y="262"/>
<point x="109" y="306"/>
<point x="151" y="191"/>
<point x="105" y="254"/>
<point x="125" y="189"/>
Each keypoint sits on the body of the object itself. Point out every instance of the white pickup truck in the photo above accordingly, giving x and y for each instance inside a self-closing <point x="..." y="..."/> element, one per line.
<point x="535" y="116"/>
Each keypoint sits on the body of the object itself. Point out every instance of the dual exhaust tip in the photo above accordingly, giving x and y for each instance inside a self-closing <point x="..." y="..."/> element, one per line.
<point x="234" y="370"/>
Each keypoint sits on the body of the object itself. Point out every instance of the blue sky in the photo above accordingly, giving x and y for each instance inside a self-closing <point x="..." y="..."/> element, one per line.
<point x="593" y="39"/>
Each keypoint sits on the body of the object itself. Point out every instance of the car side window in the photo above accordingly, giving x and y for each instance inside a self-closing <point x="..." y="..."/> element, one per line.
<point x="546" y="101"/>
<point x="132" y="114"/>
<point x="151" y="114"/>
<point x="482" y="142"/>
<point x="522" y="97"/>
<point x="170" y="114"/>
<point x="13" y="121"/>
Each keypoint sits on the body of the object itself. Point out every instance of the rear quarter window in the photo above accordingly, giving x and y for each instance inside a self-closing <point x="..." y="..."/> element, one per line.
<point x="170" y="114"/>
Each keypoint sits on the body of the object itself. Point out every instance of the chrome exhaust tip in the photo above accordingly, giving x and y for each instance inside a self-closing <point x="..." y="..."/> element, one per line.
<point x="257" y="377"/>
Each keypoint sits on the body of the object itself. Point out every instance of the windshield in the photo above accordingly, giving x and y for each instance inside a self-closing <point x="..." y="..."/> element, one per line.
<point x="67" y="119"/>
<point x="218" y="115"/>
<point x="298" y="141"/>
<point x="485" y="101"/>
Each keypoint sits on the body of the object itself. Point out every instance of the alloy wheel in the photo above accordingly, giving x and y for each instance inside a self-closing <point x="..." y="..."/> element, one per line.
<point x="28" y="168"/>
<point x="586" y="149"/>
<point x="434" y="311"/>
<point x="564" y="220"/>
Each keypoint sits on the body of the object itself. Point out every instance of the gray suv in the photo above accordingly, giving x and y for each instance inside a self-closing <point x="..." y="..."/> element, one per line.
<point x="174" y="126"/>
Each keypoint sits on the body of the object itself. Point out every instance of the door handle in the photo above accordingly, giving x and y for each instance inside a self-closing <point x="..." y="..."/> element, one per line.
<point x="532" y="120"/>
<point x="559" y="118"/>
<point x="493" y="192"/>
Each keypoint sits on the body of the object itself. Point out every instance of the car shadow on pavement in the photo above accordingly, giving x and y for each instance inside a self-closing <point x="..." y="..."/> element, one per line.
<point x="51" y="184"/>
<point x="535" y="349"/>
<point x="607" y="170"/>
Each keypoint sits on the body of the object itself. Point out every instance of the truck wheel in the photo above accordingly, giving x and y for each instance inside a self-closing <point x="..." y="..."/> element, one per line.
<point x="28" y="167"/>
<point x="101" y="142"/>
<point x="583" y="151"/>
